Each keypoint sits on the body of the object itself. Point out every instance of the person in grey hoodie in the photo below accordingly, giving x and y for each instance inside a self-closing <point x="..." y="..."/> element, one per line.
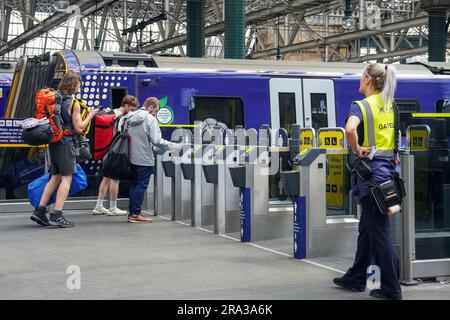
<point x="145" y="133"/>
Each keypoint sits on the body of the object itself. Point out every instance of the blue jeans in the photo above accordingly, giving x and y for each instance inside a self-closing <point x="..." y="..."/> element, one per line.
<point x="140" y="178"/>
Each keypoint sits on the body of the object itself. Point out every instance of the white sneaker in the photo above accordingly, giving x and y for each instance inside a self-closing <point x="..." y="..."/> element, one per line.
<point x="117" y="212"/>
<point x="100" y="211"/>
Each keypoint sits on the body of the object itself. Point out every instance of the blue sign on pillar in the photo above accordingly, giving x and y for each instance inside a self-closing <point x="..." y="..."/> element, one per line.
<point x="300" y="228"/>
<point x="245" y="215"/>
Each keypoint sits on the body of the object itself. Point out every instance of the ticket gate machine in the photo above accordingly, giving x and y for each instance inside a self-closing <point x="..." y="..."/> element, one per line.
<point x="217" y="158"/>
<point x="421" y="232"/>
<point x="315" y="234"/>
<point x="163" y="188"/>
<point x="259" y="220"/>
<point x="180" y="188"/>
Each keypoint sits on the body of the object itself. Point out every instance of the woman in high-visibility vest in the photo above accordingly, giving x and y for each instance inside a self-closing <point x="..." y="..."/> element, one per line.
<point x="370" y="131"/>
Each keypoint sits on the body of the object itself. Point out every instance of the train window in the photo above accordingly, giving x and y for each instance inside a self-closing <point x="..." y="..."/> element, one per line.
<point x="117" y="95"/>
<point x="443" y="106"/>
<point x="287" y="110"/>
<point x="406" y="107"/>
<point x="228" y="110"/>
<point x="319" y="110"/>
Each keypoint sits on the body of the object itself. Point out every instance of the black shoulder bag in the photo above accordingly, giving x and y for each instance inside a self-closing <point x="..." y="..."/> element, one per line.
<point x="389" y="194"/>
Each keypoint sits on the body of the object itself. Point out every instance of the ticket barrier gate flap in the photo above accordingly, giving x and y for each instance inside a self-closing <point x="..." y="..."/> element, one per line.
<point x="180" y="188"/>
<point x="163" y="188"/>
<point x="259" y="220"/>
<point x="226" y="198"/>
<point x="315" y="235"/>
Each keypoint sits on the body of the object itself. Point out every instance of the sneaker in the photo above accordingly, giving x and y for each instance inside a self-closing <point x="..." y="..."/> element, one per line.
<point x="139" y="219"/>
<point x="40" y="216"/>
<point x="57" y="220"/>
<point x="117" y="212"/>
<point x="344" y="283"/>
<point x="378" y="293"/>
<point x="100" y="211"/>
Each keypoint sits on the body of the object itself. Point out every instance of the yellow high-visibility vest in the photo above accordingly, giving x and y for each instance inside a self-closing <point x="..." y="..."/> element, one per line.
<point x="379" y="125"/>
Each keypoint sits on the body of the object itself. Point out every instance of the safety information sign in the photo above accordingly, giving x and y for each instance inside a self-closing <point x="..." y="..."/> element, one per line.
<point x="307" y="137"/>
<point x="336" y="194"/>
<point x="11" y="133"/>
<point x="165" y="116"/>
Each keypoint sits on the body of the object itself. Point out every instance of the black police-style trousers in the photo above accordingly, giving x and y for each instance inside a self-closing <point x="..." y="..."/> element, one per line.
<point x="375" y="247"/>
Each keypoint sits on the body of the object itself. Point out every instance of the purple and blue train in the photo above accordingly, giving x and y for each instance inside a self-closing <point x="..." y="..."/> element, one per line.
<point x="250" y="93"/>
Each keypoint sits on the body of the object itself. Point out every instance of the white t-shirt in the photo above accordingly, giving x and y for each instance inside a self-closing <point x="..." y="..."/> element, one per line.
<point x="117" y="114"/>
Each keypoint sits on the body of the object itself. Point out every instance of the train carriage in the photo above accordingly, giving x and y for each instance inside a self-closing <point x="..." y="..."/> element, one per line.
<point x="250" y="93"/>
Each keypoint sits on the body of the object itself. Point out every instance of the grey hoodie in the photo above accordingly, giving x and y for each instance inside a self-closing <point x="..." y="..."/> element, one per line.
<point x="145" y="133"/>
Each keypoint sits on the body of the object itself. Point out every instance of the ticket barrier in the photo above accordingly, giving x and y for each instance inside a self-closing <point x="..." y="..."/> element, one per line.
<point x="163" y="187"/>
<point x="261" y="220"/>
<point x="180" y="193"/>
<point x="217" y="158"/>
<point x="422" y="231"/>
<point x="202" y="193"/>
<point x="315" y="233"/>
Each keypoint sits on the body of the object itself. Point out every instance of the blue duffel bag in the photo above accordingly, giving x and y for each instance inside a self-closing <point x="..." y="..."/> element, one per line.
<point x="36" y="188"/>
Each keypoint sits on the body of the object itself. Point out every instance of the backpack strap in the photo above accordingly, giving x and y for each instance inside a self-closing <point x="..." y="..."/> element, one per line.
<point x="68" y="127"/>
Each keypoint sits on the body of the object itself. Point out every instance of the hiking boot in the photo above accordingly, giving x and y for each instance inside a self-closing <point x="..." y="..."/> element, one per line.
<point x="40" y="216"/>
<point x="57" y="220"/>
<point x="139" y="219"/>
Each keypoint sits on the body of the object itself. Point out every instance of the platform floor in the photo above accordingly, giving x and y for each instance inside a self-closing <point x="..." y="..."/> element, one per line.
<point x="162" y="260"/>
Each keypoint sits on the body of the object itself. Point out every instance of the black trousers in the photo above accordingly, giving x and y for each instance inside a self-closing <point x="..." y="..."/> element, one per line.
<point x="375" y="247"/>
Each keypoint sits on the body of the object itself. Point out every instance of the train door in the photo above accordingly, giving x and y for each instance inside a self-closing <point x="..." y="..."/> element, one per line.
<point x="286" y="103"/>
<point x="320" y="112"/>
<point x="286" y="107"/>
<point x="319" y="103"/>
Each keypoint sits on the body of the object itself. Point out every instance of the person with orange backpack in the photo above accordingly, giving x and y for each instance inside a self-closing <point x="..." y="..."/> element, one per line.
<point x="108" y="182"/>
<point x="66" y="122"/>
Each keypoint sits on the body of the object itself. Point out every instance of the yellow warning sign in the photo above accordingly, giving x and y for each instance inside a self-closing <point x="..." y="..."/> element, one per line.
<point x="332" y="139"/>
<point x="335" y="188"/>
<point x="1" y="93"/>
<point x="418" y="137"/>
<point x="307" y="139"/>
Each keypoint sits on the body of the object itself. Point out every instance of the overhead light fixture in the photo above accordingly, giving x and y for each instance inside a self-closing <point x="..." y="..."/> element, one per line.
<point x="61" y="4"/>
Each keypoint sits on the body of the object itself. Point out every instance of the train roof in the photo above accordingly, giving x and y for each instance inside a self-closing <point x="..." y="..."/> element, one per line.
<point x="144" y="63"/>
<point x="270" y="66"/>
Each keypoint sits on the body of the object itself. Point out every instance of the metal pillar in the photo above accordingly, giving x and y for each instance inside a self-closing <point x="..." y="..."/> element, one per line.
<point x="327" y="33"/>
<point x="3" y="19"/>
<point x="362" y="14"/>
<point x="437" y="35"/>
<point x="168" y="21"/>
<point x="93" y="32"/>
<point x="234" y="29"/>
<point x="125" y="21"/>
<point x="393" y="21"/>
<point x="195" y="28"/>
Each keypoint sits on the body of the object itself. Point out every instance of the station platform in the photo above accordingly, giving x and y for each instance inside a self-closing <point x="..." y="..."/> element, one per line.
<point x="164" y="260"/>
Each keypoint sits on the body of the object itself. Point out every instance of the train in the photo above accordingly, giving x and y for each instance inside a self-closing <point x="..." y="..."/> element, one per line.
<point x="248" y="93"/>
<point x="6" y="75"/>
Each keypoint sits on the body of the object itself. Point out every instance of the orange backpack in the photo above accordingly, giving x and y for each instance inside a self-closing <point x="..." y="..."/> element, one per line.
<point x="48" y="105"/>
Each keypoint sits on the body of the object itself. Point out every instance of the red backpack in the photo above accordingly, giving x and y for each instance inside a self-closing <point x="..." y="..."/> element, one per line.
<point x="104" y="131"/>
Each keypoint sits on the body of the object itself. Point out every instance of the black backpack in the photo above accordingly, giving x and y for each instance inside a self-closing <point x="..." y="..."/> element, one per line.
<point x="116" y="164"/>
